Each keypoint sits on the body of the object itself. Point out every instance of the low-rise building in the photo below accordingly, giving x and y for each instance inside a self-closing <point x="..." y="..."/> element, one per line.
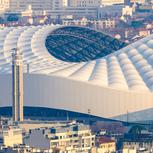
<point x="100" y="24"/>
<point x="106" y="144"/>
<point x="138" y="143"/>
<point x="144" y="32"/>
<point x="68" y="138"/>
<point x="12" y="136"/>
<point x="110" y="11"/>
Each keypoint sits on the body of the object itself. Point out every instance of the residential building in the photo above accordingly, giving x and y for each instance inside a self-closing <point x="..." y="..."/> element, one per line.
<point x="110" y="11"/>
<point x="74" y="13"/>
<point x="85" y="3"/>
<point x="37" y="5"/>
<point x="101" y="24"/>
<point x="66" y="138"/>
<point x="146" y="7"/>
<point x="138" y="1"/>
<point x="127" y="11"/>
<point x="143" y="32"/>
<point x="137" y="143"/>
<point x="12" y="136"/>
<point x="78" y="137"/>
<point x="129" y="150"/>
<point x="93" y="3"/>
<point x="105" y="145"/>
<point x="112" y="2"/>
<point x="37" y="139"/>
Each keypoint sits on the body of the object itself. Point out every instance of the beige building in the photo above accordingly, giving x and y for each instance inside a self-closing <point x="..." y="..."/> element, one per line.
<point x="93" y="3"/>
<point x="74" y="12"/>
<point x="130" y="150"/>
<point x="37" y="5"/>
<point x="101" y="24"/>
<point x="73" y="138"/>
<point x="69" y="138"/>
<point x="144" y="143"/>
<point x="138" y="1"/>
<point x="85" y="3"/>
<point x="12" y="136"/>
<point x="127" y="10"/>
<point x="106" y="145"/>
<point x="112" y="2"/>
<point x="144" y="32"/>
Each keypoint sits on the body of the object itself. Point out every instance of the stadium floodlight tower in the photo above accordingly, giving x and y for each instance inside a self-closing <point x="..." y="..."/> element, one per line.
<point x="17" y="85"/>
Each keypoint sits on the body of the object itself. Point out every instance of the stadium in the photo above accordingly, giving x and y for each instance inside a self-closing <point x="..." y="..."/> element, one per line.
<point x="79" y="69"/>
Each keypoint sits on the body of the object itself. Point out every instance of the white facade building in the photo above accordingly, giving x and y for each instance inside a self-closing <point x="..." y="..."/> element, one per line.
<point x="74" y="12"/>
<point x="64" y="138"/>
<point x="93" y="3"/>
<point x="12" y="136"/>
<point x="111" y="83"/>
<point x="85" y="3"/>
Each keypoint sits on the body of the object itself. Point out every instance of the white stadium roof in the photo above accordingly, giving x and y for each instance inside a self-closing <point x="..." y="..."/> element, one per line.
<point x="122" y="80"/>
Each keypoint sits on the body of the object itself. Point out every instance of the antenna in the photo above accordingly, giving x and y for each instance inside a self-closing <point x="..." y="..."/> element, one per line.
<point x="127" y="116"/>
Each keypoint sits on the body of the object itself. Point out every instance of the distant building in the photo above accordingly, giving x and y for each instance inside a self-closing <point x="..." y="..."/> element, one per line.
<point x="138" y="1"/>
<point x="137" y="143"/>
<point x="37" y="139"/>
<point x="12" y="136"/>
<point x="144" y="32"/>
<point x="84" y="3"/>
<point x="41" y="5"/>
<point x="101" y="24"/>
<point x="93" y="3"/>
<point x="146" y="7"/>
<point x="127" y="11"/>
<point x="110" y="11"/>
<point x="105" y="145"/>
<point x="74" y="13"/>
<point x="129" y="150"/>
<point x="30" y="16"/>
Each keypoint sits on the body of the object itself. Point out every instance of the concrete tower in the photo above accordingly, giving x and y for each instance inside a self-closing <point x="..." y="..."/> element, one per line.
<point x="17" y="85"/>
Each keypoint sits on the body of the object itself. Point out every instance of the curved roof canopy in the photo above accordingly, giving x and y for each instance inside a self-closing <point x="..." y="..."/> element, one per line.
<point x="127" y="69"/>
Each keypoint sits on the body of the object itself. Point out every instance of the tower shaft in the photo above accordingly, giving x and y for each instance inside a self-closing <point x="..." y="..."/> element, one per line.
<point x="17" y="85"/>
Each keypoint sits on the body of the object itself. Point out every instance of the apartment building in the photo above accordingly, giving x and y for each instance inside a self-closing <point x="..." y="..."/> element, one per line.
<point x="93" y="3"/>
<point x="68" y="138"/>
<point x="12" y="135"/>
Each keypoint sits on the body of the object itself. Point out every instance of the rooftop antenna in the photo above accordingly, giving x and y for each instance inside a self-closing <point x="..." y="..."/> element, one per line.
<point x="127" y="119"/>
<point x="28" y="68"/>
<point x="67" y="113"/>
